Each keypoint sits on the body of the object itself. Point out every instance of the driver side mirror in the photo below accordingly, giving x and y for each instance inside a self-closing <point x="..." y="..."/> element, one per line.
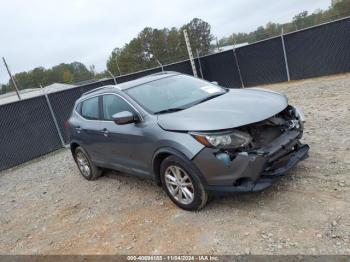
<point x="125" y="117"/>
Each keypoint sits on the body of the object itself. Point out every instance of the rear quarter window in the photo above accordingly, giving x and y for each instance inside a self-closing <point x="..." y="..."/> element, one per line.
<point x="78" y="108"/>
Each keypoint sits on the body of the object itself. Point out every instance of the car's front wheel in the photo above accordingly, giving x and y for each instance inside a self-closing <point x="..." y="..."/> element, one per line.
<point x="182" y="184"/>
<point x="86" y="167"/>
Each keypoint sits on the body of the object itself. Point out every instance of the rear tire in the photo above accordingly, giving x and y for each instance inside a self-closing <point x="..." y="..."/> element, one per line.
<point x="87" y="169"/>
<point x="181" y="182"/>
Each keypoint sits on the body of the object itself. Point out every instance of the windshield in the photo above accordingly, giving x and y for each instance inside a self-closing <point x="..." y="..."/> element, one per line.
<point x="173" y="93"/>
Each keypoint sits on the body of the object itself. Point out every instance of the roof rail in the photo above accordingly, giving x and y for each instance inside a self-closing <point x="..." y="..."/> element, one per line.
<point x="116" y="86"/>
<point x="162" y="73"/>
<point x="95" y="89"/>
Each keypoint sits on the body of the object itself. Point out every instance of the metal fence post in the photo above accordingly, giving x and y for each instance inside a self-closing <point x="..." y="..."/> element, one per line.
<point x="12" y="78"/>
<point x="160" y="64"/>
<point x="190" y="55"/>
<point x="114" y="79"/>
<point x="285" y="55"/>
<point x="54" y="118"/>
<point x="200" y="64"/>
<point x="238" y="68"/>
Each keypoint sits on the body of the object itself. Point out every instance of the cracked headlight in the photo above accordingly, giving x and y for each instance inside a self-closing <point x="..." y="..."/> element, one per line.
<point x="234" y="139"/>
<point x="300" y="116"/>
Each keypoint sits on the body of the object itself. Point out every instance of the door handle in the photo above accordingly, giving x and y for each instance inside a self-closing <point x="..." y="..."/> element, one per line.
<point x="105" y="131"/>
<point x="78" y="129"/>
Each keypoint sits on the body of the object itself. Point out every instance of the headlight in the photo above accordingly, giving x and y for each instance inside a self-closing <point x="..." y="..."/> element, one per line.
<point x="234" y="139"/>
<point x="299" y="114"/>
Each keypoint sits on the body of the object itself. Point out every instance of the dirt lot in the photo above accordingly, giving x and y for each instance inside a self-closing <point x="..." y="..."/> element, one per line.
<point x="48" y="208"/>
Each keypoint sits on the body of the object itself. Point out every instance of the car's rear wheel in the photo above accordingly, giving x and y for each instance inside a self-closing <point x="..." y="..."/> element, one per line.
<point x="182" y="184"/>
<point x="86" y="167"/>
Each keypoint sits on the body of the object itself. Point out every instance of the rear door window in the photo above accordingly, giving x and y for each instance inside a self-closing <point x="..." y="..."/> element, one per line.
<point x="90" y="108"/>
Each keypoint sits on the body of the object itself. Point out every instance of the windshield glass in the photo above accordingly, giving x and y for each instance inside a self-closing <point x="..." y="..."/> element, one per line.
<point x="173" y="93"/>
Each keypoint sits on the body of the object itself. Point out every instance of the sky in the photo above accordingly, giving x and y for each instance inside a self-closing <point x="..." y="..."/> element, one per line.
<point x="48" y="32"/>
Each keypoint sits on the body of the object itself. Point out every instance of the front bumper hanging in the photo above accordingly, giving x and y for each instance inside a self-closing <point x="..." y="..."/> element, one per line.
<point x="258" y="170"/>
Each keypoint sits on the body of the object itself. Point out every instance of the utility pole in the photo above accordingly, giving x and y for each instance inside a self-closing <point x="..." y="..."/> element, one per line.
<point x="12" y="78"/>
<point x="189" y="50"/>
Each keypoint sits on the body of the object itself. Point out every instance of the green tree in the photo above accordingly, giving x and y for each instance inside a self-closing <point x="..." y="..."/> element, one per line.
<point x="341" y="9"/>
<point x="39" y="76"/>
<point x="67" y="76"/>
<point x="199" y="34"/>
<point x="165" y="45"/>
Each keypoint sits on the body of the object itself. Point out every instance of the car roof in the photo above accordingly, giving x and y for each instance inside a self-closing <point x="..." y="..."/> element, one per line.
<point x="130" y="84"/>
<point x="146" y="79"/>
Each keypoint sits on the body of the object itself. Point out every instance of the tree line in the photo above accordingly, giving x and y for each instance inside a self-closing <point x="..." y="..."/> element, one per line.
<point x="166" y="46"/>
<point x="62" y="73"/>
<point x="337" y="10"/>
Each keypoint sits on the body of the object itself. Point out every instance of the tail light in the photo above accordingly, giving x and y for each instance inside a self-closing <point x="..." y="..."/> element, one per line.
<point x="66" y="125"/>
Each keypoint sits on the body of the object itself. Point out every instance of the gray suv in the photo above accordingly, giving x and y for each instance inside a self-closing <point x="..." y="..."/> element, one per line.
<point x="191" y="136"/>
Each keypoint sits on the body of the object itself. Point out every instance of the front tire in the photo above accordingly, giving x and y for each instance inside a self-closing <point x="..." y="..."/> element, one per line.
<point x="181" y="182"/>
<point x="88" y="170"/>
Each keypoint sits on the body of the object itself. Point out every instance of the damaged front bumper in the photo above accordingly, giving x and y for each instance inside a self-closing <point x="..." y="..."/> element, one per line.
<point x="255" y="170"/>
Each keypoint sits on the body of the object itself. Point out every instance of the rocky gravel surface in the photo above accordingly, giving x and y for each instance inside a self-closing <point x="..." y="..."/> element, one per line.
<point x="46" y="207"/>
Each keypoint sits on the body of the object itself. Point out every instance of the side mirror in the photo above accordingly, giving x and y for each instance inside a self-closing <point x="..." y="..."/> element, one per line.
<point x="215" y="83"/>
<point x="125" y="117"/>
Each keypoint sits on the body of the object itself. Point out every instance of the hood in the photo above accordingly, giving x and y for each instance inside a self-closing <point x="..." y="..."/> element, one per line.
<point x="238" y="107"/>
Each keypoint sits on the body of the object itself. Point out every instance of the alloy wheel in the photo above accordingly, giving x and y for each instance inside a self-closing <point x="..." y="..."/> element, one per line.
<point x="83" y="164"/>
<point x="179" y="184"/>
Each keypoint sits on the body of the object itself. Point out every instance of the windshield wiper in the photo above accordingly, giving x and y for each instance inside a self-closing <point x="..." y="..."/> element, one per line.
<point x="208" y="98"/>
<point x="169" y="110"/>
<point x="175" y="109"/>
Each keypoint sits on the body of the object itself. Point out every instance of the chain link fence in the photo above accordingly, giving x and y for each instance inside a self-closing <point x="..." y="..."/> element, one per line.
<point x="35" y="126"/>
<point x="27" y="131"/>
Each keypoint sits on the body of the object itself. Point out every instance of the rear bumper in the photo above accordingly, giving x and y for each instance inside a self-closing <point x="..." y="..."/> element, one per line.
<point x="255" y="170"/>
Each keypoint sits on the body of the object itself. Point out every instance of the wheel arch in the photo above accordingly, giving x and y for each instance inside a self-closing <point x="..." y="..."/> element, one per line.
<point x="163" y="153"/>
<point x="73" y="146"/>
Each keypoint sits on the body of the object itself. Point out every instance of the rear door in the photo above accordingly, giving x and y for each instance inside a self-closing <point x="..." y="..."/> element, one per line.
<point x="121" y="141"/>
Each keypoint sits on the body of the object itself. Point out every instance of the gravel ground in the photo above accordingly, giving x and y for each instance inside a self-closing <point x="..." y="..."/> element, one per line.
<point x="48" y="208"/>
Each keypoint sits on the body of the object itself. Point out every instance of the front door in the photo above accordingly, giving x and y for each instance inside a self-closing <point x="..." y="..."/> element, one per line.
<point x="121" y="141"/>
